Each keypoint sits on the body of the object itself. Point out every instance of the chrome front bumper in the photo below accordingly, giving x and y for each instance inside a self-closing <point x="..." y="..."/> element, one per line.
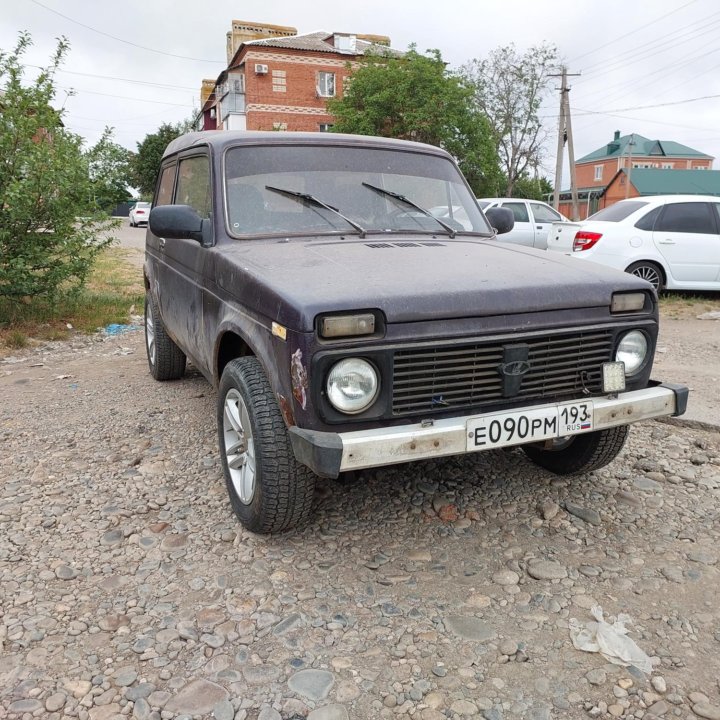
<point x="329" y="453"/>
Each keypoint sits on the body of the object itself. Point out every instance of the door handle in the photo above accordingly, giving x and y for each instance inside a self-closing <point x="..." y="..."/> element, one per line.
<point x="668" y="241"/>
<point x="161" y="242"/>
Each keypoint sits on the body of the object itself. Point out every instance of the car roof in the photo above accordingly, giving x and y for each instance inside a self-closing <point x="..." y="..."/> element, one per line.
<point x="659" y="199"/>
<point x="222" y="139"/>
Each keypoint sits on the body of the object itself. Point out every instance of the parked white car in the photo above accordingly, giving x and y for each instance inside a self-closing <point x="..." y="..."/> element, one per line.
<point x="139" y="213"/>
<point x="673" y="241"/>
<point x="533" y="220"/>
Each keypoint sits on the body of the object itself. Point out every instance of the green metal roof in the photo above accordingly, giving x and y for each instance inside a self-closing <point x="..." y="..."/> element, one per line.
<point x="652" y="181"/>
<point x="642" y="147"/>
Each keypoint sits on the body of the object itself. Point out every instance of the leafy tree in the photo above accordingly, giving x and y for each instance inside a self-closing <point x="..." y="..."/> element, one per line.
<point x="110" y="170"/>
<point x="532" y="188"/>
<point x="45" y="187"/>
<point x="149" y="155"/>
<point x="414" y="97"/>
<point x="509" y="87"/>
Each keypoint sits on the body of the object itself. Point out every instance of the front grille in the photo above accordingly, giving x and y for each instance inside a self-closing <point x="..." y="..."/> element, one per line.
<point x="436" y="379"/>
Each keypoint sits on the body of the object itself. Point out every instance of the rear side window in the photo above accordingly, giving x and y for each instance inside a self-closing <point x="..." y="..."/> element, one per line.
<point x="544" y="214"/>
<point x="690" y="217"/>
<point x="647" y="221"/>
<point x="163" y="194"/>
<point x="193" y="185"/>
<point x="518" y="210"/>
<point x="618" y="212"/>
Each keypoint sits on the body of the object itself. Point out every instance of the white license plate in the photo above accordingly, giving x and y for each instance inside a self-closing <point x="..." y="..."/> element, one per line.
<point x="530" y="425"/>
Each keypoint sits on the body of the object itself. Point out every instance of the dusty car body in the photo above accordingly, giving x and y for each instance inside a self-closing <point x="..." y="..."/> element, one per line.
<point x="345" y="326"/>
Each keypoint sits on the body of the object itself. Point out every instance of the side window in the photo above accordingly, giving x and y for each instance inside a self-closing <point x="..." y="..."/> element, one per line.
<point x="163" y="193"/>
<point x="647" y="221"/>
<point x="544" y="214"/>
<point x="193" y="185"/>
<point x="690" y="217"/>
<point x="518" y="210"/>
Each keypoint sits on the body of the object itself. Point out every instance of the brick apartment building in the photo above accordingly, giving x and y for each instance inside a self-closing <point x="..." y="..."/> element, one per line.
<point x="279" y="80"/>
<point x="601" y="175"/>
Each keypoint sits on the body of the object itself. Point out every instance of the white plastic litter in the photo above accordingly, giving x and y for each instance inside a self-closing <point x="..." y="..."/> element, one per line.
<point x="611" y="641"/>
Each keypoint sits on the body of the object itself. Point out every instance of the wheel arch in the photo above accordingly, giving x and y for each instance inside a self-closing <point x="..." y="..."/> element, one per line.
<point x="230" y="345"/>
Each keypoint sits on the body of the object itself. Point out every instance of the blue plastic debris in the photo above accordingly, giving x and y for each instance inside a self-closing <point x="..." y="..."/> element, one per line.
<point x="119" y="329"/>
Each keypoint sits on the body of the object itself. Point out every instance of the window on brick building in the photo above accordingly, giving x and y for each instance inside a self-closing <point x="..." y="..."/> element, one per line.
<point x="326" y="84"/>
<point x="598" y="172"/>
<point x="325" y="127"/>
<point x="279" y="81"/>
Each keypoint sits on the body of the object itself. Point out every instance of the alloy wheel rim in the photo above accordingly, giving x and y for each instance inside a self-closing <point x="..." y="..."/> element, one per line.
<point x="150" y="336"/>
<point x="239" y="446"/>
<point x="648" y="273"/>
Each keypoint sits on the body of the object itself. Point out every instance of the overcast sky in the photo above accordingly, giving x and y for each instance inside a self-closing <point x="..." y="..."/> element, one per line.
<point x="651" y="68"/>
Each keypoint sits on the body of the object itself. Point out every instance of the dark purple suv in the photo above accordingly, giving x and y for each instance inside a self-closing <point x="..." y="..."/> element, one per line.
<point x="347" y="299"/>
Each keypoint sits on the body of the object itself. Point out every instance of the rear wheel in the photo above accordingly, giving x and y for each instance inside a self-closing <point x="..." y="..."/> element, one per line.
<point x="579" y="453"/>
<point x="165" y="359"/>
<point x="649" y="271"/>
<point x="269" y="489"/>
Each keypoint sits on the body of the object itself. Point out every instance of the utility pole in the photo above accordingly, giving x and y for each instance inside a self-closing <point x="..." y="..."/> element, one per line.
<point x="631" y="142"/>
<point x="565" y="135"/>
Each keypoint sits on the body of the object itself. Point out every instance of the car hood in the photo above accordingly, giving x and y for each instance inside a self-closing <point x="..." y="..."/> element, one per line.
<point x="410" y="279"/>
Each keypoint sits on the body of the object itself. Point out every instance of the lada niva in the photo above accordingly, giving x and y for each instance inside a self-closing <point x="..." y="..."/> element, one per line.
<point x="346" y="297"/>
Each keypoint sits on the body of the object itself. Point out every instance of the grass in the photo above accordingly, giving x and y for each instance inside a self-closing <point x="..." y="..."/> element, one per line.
<point x="677" y="305"/>
<point x="114" y="291"/>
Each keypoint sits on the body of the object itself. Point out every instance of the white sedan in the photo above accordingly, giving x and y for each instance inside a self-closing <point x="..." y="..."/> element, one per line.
<point x="672" y="241"/>
<point x="533" y="220"/>
<point x="139" y="214"/>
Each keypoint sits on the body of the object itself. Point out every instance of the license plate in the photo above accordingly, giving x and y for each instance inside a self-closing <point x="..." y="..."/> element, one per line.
<point x="530" y="425"/>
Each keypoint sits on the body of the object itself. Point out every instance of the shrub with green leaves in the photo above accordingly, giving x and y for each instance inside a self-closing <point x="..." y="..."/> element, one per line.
<point x="51" y="228"/>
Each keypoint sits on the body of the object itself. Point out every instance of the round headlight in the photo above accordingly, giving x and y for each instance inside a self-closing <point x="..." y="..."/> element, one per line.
<point x="352" y="385"/>
<point x="632" y="350"/>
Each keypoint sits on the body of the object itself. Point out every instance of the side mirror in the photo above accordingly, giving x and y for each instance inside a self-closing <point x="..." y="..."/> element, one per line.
<point x="176" y="221"/>
<point x="502" y="219"/>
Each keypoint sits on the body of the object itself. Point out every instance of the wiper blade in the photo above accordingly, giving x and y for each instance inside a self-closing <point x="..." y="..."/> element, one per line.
<point x="397" y="196"/>
<point x="306" y="197"/>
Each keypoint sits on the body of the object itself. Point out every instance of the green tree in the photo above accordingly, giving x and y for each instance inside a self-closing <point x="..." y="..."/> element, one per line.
<point x="537" y="188"/>
<point x="110" y="167"/>
<point x="146" y="162"/>
<point x="509" y="88"/>
<point x="45" y="187"/>
<point x="415" y="97"/>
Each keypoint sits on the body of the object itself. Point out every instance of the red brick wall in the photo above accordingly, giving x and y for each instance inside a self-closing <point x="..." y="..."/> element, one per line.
<point x="299" y="106"/>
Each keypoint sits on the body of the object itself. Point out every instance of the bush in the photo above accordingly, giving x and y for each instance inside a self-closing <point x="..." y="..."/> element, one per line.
<point x="51" y="229"/>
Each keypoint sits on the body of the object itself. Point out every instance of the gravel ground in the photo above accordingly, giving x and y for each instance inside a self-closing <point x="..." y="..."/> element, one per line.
<point x="436" y="590"/>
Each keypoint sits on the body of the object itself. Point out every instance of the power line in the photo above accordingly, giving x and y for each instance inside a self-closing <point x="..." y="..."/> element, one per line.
<point x="650" y="48"/>
<point x="123" y="97"/>
<point x="127" y="42"/>
<point x="628" y="34"/>
<point x="119" y="79"/>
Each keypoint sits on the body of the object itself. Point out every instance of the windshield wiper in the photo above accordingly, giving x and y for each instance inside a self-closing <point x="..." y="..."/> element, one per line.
<point x="397" y="196"/>
<point x="312" y="200"/>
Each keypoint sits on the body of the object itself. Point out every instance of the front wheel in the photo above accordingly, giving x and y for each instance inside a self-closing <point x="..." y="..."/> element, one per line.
<point x="579" y="453"/>
<point x="649" y="271"/>
<point x="269" y="489"/>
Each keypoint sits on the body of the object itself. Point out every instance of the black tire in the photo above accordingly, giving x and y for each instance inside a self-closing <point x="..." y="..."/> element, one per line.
<point x="650" y="271"/>
<point x="165" y="359"/>
<point x="581" y="453"/>
<point x="269" y="489"/>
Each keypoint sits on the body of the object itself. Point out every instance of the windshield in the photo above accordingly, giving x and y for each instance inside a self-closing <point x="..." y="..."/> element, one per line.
<point x="304" y="189"/>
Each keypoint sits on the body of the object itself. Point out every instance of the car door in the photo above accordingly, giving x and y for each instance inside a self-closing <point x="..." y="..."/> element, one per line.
<point x="686" y="235"/>
<point x="542" y="218"/>
<point x="181" y="261"/>
<point x="523" y="232"/>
